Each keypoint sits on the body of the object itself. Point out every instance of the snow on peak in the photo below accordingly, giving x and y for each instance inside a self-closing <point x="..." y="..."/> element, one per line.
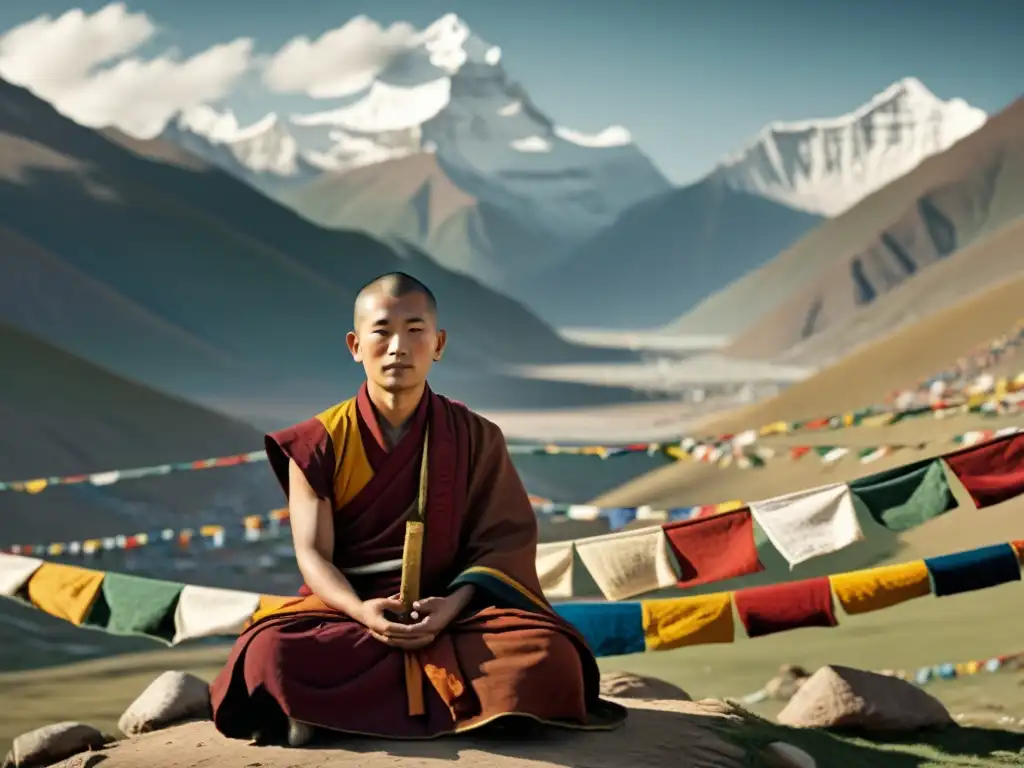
<point x="827" y="165"/>
<point x="446" y="91"/>
<point x="265" y="146"/>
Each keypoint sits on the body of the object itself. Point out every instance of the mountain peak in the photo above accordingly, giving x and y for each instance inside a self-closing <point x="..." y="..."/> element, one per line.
<point x="826" y="165"/>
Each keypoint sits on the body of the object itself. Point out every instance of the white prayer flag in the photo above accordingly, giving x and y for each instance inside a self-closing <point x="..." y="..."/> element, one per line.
<point x="555" y="568"/>
<point x="629" y="563"/>
<point x="15" y="571"/>
<point x="809" y="523"/>
<point x="210" y="612"/>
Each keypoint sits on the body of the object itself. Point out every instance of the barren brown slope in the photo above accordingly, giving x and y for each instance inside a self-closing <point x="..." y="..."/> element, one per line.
<point x="972" y="270"/>
<point x="409" y="197"/>
<point x="935" y="228"/>
<point x="899" y="360"/>
<point x="998" y="144"/>
<point x="414" y="199"/>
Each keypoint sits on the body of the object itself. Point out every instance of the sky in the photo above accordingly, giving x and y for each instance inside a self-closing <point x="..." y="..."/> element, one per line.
<point x="691" y="79"/>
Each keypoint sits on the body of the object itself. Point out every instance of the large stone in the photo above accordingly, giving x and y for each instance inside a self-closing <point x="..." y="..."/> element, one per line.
<point x="625" y="685"/>
<point x="842" y="697"/>
<point x="171" y="698"/>
<point x="47" y="745"/>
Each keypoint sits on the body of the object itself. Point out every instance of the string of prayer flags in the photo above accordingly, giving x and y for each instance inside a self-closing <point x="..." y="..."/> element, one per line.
<point x="171" y="612"/>
<point x="40" y="484"/>
<point x="782" y="607"/>
<point x="905" y="497"/>
<point x="991" y="472"/>
<point x="252" y="528"/>
<point x="973" y="570"/>
<point x="628" y="563"/>
<point x="714" y="548"/>
<point x="873" y="589"/>
<point x="809" y="523"/>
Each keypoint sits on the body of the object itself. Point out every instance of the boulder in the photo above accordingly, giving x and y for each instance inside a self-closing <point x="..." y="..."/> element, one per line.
<point x="171" y="698"/>
<point x="625" y="685"/>
<point x="842" y="697"/>
<point x="51" y="743"/>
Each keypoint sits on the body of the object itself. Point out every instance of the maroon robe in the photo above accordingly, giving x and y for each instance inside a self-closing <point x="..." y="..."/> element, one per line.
<point x="509" y="653"/>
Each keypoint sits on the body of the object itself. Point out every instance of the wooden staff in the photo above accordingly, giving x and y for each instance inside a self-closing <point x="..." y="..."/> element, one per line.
<point x="409" y="592"/>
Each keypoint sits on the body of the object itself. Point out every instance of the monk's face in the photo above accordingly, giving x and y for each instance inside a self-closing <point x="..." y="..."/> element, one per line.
<point x="396" y="339"/>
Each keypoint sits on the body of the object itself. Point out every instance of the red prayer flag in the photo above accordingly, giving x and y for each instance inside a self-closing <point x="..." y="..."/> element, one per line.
<point x="781" y="607"/>
<point x="714" y="548"/>
<point x="991" y="472"/>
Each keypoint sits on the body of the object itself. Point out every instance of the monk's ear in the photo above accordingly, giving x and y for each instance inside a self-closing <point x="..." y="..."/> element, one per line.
<point x="353" y="346"/>
<point x="442" y="342"/>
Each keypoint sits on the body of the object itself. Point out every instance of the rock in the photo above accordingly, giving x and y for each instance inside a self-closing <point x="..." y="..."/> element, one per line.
<point x="47" y="745"/>
<point x="668" y="734"/>
<point x="786" y="683"/>
<point x="171" y="698"/>
<point x="842" y="697"/>
<point x="625" y="685"/>
<point x="779" y="754"/>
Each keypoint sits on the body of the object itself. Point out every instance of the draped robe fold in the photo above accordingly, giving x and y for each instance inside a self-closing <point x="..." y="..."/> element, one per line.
<point x="509" y="653"/>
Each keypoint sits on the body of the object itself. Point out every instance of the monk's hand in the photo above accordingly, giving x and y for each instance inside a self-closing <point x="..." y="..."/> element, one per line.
<point x="434" y="614"/>
<point x="373" y="614"/>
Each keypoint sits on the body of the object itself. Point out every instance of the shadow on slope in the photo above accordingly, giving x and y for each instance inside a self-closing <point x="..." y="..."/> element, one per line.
<point x="988" y="165"/>
<point x="969" y="271"/>
<point x="204" y="254"/>
<point x="663" y="256"/>
<point x="936" y="227"/>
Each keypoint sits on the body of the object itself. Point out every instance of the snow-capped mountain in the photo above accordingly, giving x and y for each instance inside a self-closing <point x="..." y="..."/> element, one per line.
<point x="265" y="154"/>
<point x="825" y="166"/>
<point x="448" y="94"/>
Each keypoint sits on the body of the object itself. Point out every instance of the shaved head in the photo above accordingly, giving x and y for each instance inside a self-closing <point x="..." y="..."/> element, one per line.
<point x="394" y="285"/>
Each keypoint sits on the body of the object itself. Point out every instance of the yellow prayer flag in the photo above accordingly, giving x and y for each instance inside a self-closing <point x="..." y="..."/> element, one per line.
<point x="875" y="588"/>
<point x="676" y="452"/>
<point x="65" y="591"/>
<point x="680" y="621"/>
<point x="728" y="506"/>
<point x="35" y="486"/>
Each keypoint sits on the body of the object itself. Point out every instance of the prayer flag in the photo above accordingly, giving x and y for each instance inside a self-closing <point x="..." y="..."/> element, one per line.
<point x="680" y="621"/>
<point x="628" y="563"/>
<point x="782" y="607"/>
<point x="809" y="523"/>
<point x="991" y="472"/>
<point x="905" y="497"/>
<point x="872" y="589"/>
<point x="710" y="549"/>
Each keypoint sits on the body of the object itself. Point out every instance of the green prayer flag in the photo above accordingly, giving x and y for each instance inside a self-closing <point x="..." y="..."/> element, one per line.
<point x="905" y="497"/>
<point x="133" y="605"/>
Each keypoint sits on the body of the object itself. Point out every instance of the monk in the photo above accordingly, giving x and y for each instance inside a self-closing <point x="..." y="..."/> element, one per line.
<point x="422" y="612"/>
